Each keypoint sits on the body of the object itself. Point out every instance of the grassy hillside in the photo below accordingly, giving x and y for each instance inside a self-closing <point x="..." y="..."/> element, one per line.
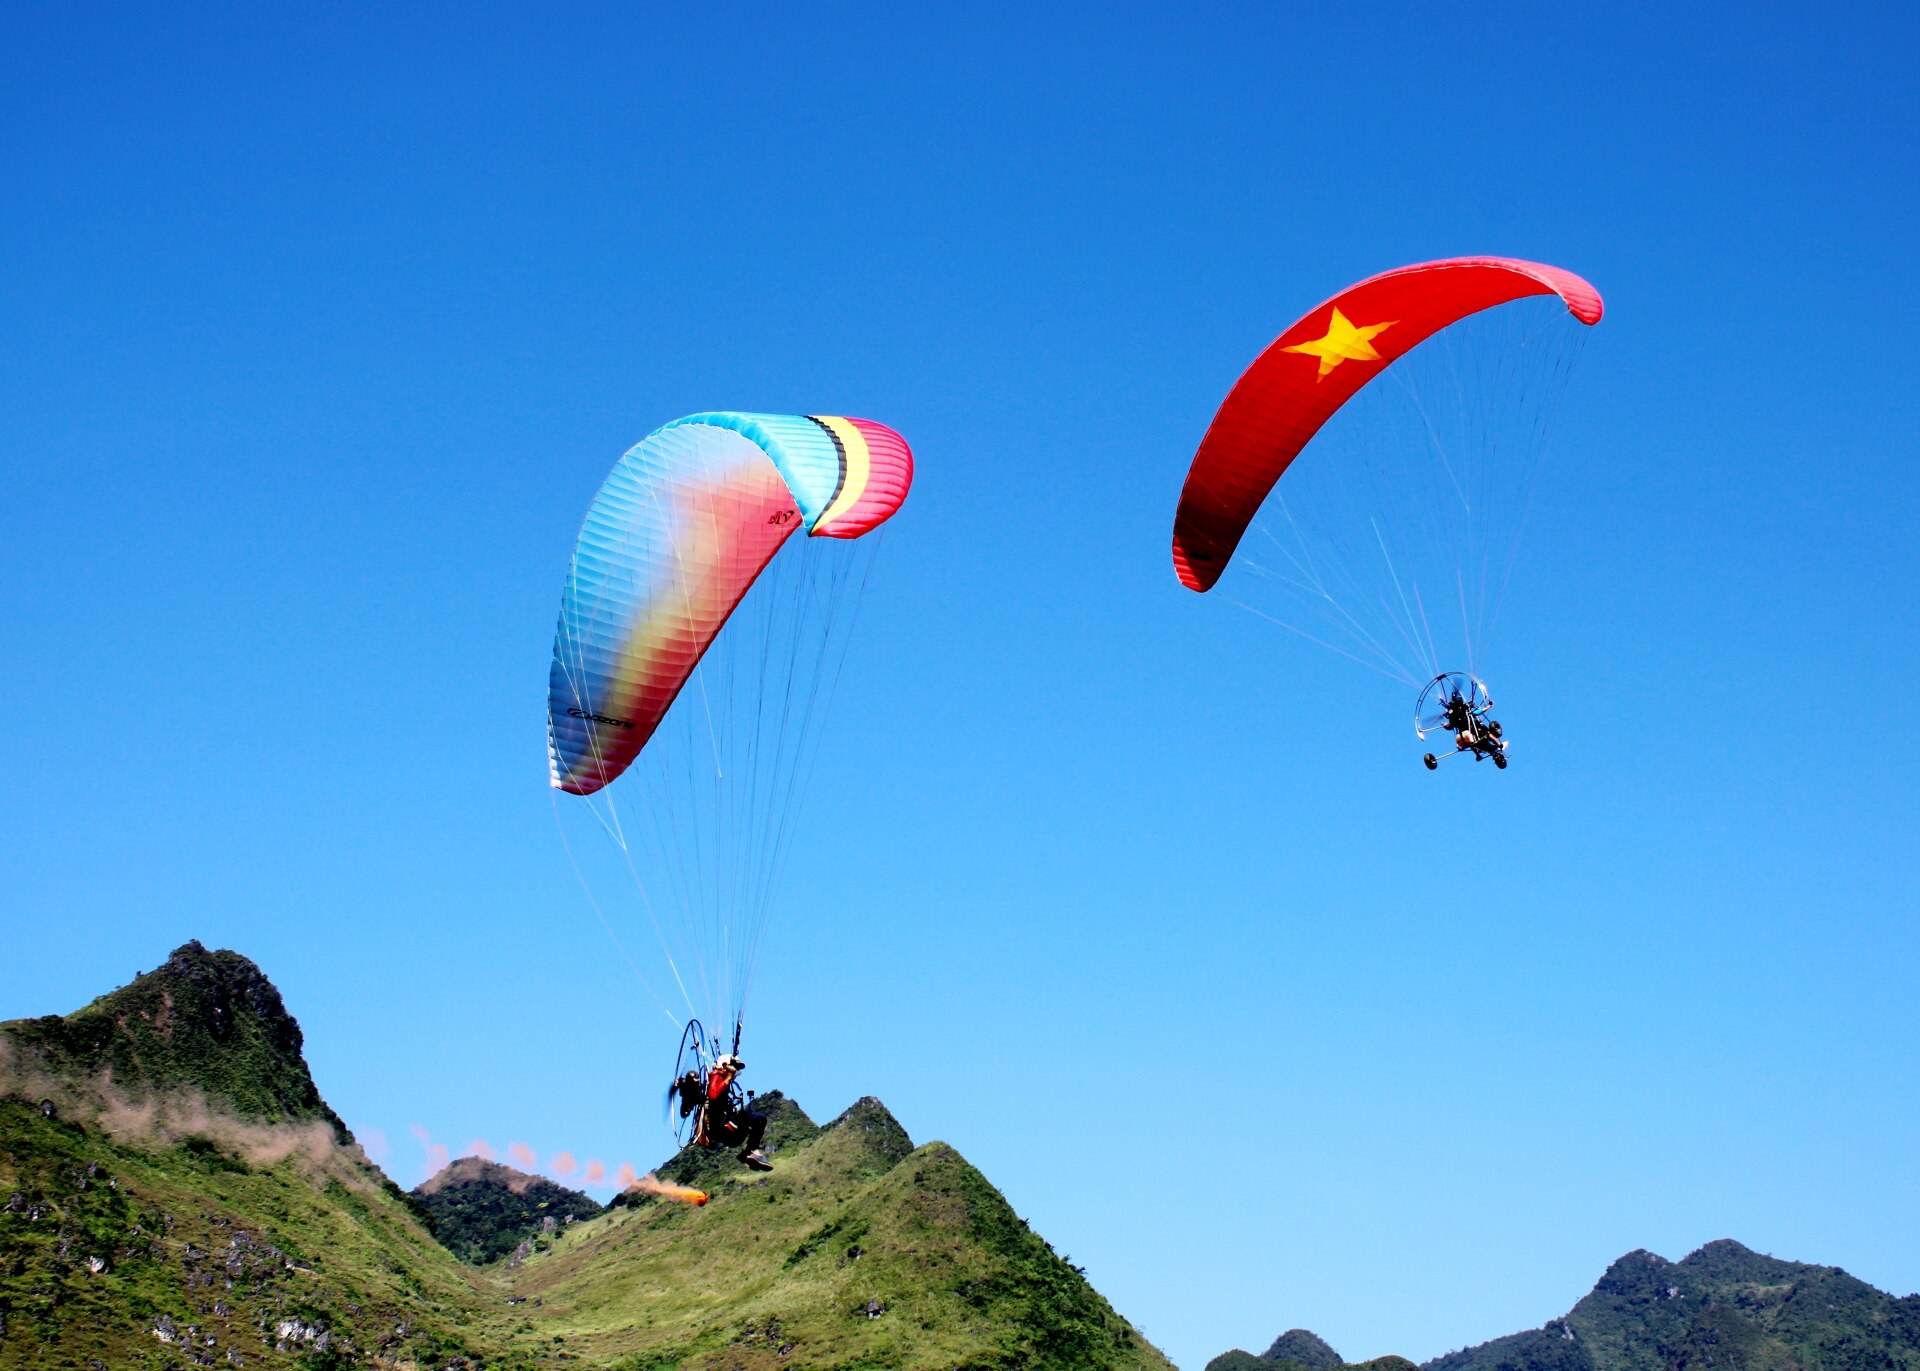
<point x="288" y="1251"/>
<point x="857" y="1251"/>
<point x="184" y="1198"/>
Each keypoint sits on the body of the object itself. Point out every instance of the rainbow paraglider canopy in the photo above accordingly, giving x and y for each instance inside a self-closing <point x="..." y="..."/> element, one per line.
<point x="677" y="535"/>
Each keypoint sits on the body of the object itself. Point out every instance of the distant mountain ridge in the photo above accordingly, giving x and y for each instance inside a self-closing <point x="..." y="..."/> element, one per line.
<point x="482" y="1210"/>
<point x="1298" y="1347"/>
<point x="1722" y="1308"/>
<point x="174" y="1192"/>
<point x="1300" y="1350"/>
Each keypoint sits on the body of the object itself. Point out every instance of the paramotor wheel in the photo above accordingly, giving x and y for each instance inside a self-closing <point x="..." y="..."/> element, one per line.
<point x="1430" y="713"/>
<point x="691" y="1057"/>
<point x="1431" y="761"/>
<point x="1500" y="760"/>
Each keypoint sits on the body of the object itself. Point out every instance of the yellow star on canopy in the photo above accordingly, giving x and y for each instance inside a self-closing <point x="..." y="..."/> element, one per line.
<point x="1343" y="342"/>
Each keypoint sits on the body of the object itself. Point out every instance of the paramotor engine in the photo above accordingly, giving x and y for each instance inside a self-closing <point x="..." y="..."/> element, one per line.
<point x="687" y="1092"/>
<point x="1458" y="704"/>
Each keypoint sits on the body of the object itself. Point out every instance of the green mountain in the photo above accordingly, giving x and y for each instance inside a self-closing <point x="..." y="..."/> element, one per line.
<point x="1298" y="1350"/>
<point x="1298" y="1347"/>
<point x="482" y="1210"/>
<point x="206" y="1024"/>
<point x="175" y="1193"/>
<point x="858" y="1250"/>
<point x="1724" y="1308"/>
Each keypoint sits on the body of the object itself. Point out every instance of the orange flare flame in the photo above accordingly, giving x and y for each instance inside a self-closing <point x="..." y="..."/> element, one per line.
<point x="651" y="1184"/>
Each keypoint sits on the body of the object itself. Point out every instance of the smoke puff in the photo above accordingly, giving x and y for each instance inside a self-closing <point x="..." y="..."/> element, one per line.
<point x="164" y="1118"/>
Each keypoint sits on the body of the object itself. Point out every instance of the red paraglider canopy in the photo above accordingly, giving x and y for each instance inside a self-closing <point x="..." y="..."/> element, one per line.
<point x="1315" y="367"/>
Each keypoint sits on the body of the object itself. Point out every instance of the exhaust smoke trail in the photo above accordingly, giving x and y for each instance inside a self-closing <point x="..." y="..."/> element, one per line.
<point x="651" y="1184"/>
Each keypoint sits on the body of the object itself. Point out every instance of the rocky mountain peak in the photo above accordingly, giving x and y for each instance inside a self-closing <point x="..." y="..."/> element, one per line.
<point x="203" y="1020"/>
<point x="871" y="1127"/>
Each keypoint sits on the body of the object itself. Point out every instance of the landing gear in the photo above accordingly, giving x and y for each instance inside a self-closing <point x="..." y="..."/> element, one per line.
<point x="1457" y="704"/>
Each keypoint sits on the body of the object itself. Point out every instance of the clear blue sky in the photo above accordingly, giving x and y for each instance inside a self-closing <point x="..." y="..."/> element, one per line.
<point x="318" y="334"/>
